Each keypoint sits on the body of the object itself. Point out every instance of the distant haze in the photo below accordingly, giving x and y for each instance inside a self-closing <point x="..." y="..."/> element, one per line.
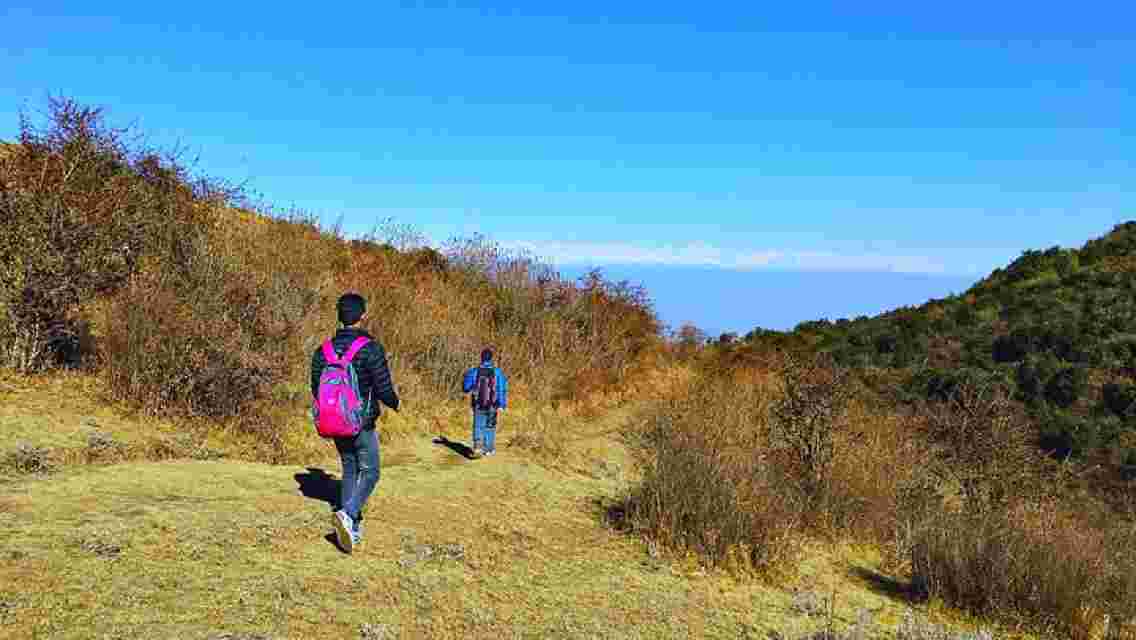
<point x="722" y="300"/>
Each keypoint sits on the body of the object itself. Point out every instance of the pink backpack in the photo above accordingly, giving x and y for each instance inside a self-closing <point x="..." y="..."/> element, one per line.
<point x="338" y="409"/>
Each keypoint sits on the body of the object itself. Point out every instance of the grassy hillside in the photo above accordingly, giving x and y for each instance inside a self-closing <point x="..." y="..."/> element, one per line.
<point x="1058" y="327"/>
<point x="195" y="304"/>
<point x="986" y="440"/>
<point x="153" y="545"/>
<point x="159" y="475"/>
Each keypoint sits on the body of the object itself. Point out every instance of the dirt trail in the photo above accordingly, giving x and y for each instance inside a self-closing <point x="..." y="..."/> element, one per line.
<point x="501" y="547"/>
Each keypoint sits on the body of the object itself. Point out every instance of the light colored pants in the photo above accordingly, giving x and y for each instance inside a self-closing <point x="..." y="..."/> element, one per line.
<point x="485" y="430"/>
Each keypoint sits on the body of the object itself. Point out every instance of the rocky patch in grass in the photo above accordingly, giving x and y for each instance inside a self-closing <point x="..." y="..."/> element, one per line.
<point x="378" y="631"/>
<point x="29" y="459"/>
<point x="414" y="552"/>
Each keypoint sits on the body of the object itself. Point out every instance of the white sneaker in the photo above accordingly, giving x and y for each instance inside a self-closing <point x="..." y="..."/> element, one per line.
<point x="344" y="530"/>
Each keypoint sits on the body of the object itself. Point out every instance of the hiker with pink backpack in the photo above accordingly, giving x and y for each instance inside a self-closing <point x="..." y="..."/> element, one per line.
<point x="488" y="391"/>
<point x="350" y="379"/>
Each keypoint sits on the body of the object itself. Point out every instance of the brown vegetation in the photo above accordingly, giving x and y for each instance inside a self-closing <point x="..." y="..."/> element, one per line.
<point x="193" y="302"/>
<point x="749" y="461"/>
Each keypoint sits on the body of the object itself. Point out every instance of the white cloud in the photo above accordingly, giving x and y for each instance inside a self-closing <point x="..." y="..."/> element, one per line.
<point x="701" y="254"/>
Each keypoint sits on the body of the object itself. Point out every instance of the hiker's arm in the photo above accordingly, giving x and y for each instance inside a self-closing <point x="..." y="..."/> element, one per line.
<point x="380" y="373"/>
<point x="468" y="380"/>
<point x="502" y="389"/>
<point x="317" y="368"/>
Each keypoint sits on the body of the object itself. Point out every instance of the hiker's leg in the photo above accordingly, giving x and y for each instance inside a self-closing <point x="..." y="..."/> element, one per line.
<point x="368" y="447"/>
<point x="490" y="431"/>
<point x="477" y="422"/>
<point x="348" y="480"/>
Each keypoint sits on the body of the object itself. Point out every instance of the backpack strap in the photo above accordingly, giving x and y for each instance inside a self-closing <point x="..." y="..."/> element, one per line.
<point x="331" y="357"/>
<point x="329" y="353"/>
<point x="355" y="347"/>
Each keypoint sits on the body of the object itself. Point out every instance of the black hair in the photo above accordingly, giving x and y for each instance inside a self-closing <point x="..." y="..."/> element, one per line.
<point x="350" y="307"/>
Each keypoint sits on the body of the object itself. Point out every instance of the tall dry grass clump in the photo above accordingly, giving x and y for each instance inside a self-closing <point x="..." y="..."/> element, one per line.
<point x="751" y="459"/>
<point x="759" y="457"/>
<point x="707" y="483"/>
<point x="994" y="529"/>
<point x="748" y="461"/>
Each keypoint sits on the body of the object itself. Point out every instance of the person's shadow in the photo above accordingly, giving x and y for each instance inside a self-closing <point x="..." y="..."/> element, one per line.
<point x="456" y="447"/>
<point x="318" y="485"/>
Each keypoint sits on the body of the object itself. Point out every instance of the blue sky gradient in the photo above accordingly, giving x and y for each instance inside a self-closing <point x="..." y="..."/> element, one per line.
<point x="712" y="138"/>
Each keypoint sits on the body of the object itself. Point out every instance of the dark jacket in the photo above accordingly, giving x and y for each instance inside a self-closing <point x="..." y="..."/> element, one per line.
<point x="370" y="365"/>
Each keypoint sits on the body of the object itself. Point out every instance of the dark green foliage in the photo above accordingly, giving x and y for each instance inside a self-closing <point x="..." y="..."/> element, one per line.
<point x="1120" y="242"/>
<point x="1010" y="348"/>
<point x="1066" y="386"/>
<point x="1056" y="324"/>
<point x="1119" y="399"/>
<point x="886" y="343"/>
<point x="1031" y="380"/>
<point x="941" y="385"/>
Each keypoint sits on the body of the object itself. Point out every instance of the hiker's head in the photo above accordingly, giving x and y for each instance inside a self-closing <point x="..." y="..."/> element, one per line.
<point x="486" y="355"/>
<point x="351" y="308"/>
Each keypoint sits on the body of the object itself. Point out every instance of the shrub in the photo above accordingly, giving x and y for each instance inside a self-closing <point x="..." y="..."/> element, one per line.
<point x="706" y="484"/>
<point x="980" y="443"/>
<point x="1119" y="399"/>
<point x="994" y="534"/>
<point x="805" y="421"/>
<point x="1066" y="386"/>
<point x="81" y="209"/>
<point x="206" y="305"/>
<point x="1037" y="558"/>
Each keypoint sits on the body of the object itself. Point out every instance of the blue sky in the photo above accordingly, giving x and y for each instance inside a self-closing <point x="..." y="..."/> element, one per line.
<point x="728" y="141"/>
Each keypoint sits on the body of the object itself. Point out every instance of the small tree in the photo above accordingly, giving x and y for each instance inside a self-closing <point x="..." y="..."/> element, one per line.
<point x="688" y="340"/>
<point x="982" y="442"/>
<point x="806" y="418"/>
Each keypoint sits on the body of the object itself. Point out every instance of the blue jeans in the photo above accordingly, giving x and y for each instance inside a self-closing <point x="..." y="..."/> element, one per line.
<point x="360" y="458"/>
<point x="485" y="429"/>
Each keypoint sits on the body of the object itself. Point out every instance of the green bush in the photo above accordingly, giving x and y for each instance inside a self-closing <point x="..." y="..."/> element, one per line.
<point x="1066" y="386"/>
<point x="1119" y="399"/>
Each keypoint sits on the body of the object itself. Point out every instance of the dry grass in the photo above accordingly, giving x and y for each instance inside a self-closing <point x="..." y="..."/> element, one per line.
<point x="501" y="547"/>
<point x="741" y="474"/>
<point x="196" y="304"/>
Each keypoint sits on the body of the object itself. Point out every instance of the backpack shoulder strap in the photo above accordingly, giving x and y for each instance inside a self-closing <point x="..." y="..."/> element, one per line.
<point x="355" y="347"/>
<point x="329" y="353"/>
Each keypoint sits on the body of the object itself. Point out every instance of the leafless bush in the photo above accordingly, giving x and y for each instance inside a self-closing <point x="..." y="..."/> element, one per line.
<point x="80" y="208"/>
<point x="991" y="531"/>
<point x="805" y="423"/>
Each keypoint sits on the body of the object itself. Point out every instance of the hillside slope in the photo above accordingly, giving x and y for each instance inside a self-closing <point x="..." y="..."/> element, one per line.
<point x="1058" y="327"/>
<point x="502" y="547"/>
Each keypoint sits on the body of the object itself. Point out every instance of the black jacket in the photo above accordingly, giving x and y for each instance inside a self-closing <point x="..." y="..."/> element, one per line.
<point x="370" y="365"/>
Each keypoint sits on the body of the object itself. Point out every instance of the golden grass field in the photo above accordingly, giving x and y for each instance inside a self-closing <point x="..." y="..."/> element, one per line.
<point x="514" y="546"/>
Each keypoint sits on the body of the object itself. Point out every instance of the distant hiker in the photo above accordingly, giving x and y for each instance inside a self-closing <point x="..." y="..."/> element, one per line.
<point x="359" y="453"/>
<point x="488" y="391"/>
